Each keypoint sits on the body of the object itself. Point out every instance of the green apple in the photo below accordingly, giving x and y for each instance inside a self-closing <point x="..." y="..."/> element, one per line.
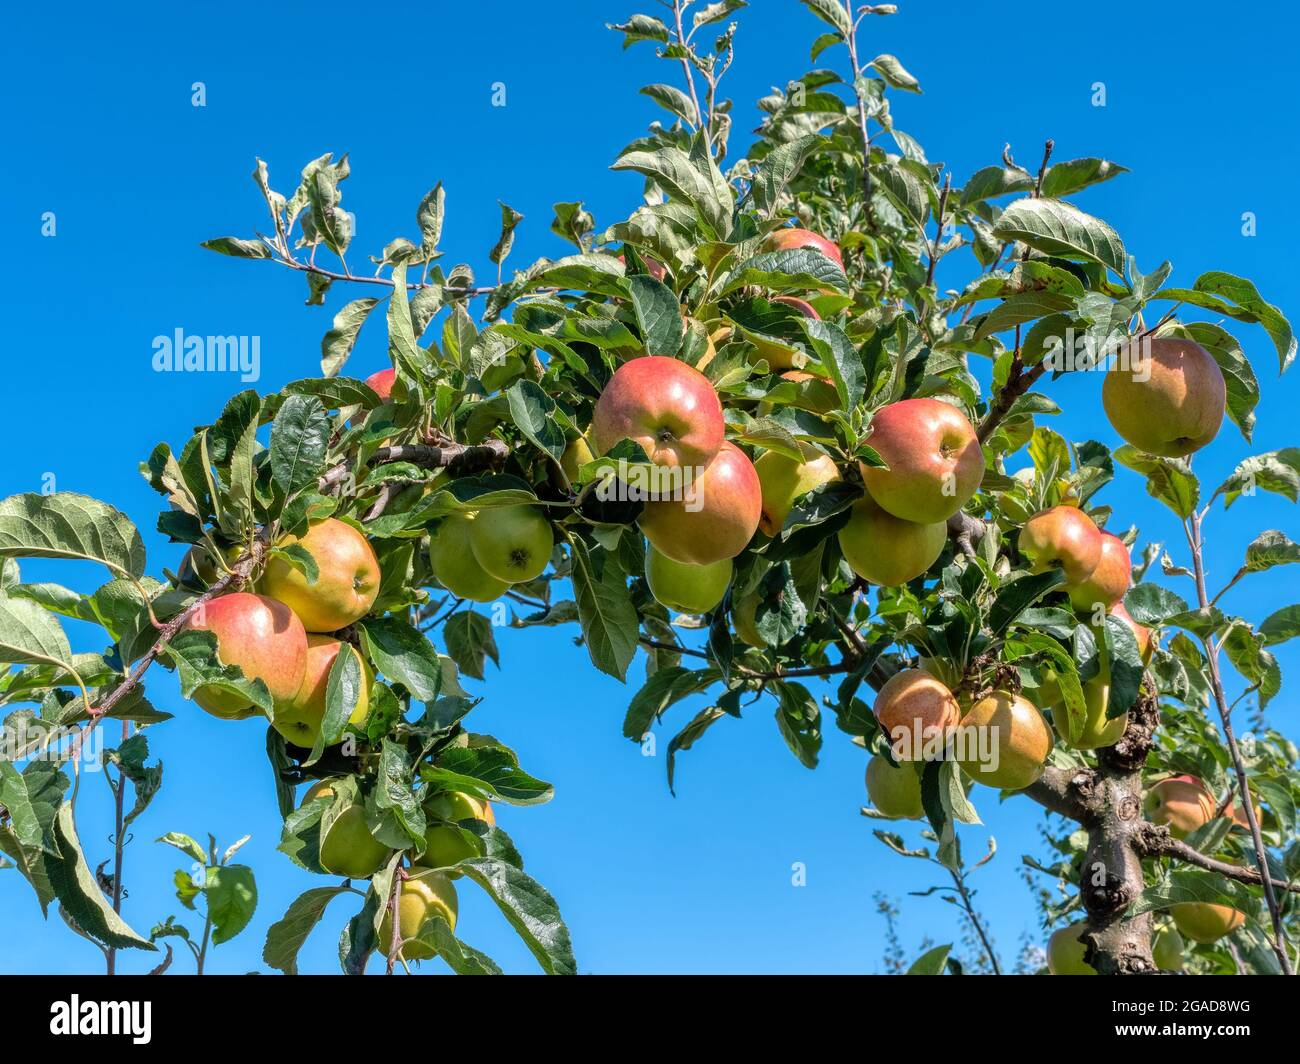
<point x="512" y="543"/>
<point x="348" y="849"/>
<point x="744" y="618"/>
<point x="576" y="455"/>
<point x="1168" y="949"/>
<point x="453" y="562"/>
<point x="1065" y="952"/>
<point x="1098" y="730"/>
<point x="684" y="587"/>
<point x="894" y="790"/>
<point x="347" y="582"/>
<point x="261" y="636"/>
<point x="423" y="895"/>
<point x="445" y="844"/>
<point x="784" y="481"/>
<point x="887" y="550"/>
<point x="299" y="720"/>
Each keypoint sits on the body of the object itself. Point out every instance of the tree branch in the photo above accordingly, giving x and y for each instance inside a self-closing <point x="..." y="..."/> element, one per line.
<point x="1069" y="792"/>
<point x="1156" y="841"/>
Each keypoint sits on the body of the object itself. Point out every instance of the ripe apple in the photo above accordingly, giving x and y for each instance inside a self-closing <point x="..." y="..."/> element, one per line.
<point x="784" y="480"/>
<point x="300" y="719"/>
<point x="778" y="356"/>
<point x="444" y="843"/>
<point x="917" y="712"/>
<point x="346" y="585"/>
<point x="934" y="460"/>
<point x="653" y="266"/>
<point x="1167" y="949"/>
<point x="894" y="790"/>
<point x="512" y="543"/>
<point x="1177" y="410"/>
<point x="1065" y="952"/>
<point x="1204" y="922"/>
<point x="454" y="564"/>
<point x="684" y="587"/>
<point x="887" y="550"/>
<point x="1183" y="803"/>
<point x="788" y="239"/>
<point x="666" y="406"/>
<point x="263" y="638"/>
<point x="1239" y="814"/>
<point x="423" y="895"/>
<point x="1109" y="582"/>
<point x="1146" y="646"/>
<point x="715" y="519"/>
<point x="381" y="383"/>
<point x="1063" y="537"/>
<point x="1014" y="746"/>
<point x="348" y="849"/>
<point x="576" y="455"/>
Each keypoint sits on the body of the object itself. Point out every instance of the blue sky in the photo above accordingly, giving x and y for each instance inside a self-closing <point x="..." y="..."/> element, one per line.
<point x="101" y="132"/>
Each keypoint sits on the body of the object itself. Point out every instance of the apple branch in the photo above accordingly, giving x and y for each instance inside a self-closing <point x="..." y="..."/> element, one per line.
<point x="1019" y="381"/>
<point x="1157" y="842"/>
<point x="459" y="459"/>
<point x="1069" y="792"/>
<point x="1195" y="539"/>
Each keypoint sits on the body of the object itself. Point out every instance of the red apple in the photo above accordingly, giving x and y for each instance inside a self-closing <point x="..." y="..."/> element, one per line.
<point x="1178" y="408"/>
<point x="788" y="239"/>
<point x="381" y="383"/>
<point x="1063" y="537"/>
<point x="934" y="460"/>
<point x="917" y="712"/>
<point x="1107" y="584"/>
<point x="715" y="518"/>
<point x="347" y="581"/>
<point x="263" y="638"/>
<point x="1182" y="803"/>
<point x="666" y="406"/>
<point x="299" y="720"/>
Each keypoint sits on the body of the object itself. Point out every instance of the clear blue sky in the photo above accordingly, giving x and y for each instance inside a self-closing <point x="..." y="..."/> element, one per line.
<point x="101" y="131"/>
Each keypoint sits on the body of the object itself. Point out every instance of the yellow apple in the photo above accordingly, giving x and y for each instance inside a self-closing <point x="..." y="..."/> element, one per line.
<point x="1004" y="742"/>
<point x="346" y="585"/>
<point x="422" y="896"/>
<point x="299" y="720"/>
<point x="1179" y="407"/>
<point x="784" y="481"/>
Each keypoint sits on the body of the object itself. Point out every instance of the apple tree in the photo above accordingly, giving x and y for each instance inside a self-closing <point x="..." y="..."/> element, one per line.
<point x="886" y="530"/>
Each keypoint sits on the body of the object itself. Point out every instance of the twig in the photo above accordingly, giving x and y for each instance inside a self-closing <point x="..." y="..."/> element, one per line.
<point x="1157" y="842"/>
<point x="1192" y="527"/>
<point x="678" y="8"/>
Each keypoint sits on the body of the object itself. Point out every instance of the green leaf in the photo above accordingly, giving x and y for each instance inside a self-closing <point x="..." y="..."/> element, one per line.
<point x="641" y="28"/>
<point x="1151" y="605"/>
<point x="237" y="247"/>
<point x="428" y="216"/>
<point x="337" y="344"/>
<point x="932" y="962"/>
<point x="1276" y="471"/>
<point x="195" y="655"/>
<point x="78" y="891"/>
<point x="1065" y="179"/>
<point x="530" y="910"/>
<point x="797" y="269"/>
<point x="1016" y="596"/>
<point x="895" y="74"/>
<point x="510" y="219"/>
<point x="299" y="441"/>
<point x="286" y="936"/>
<point x="488" y="768"/>
<point x="533" y="411"/>
<point x="674" y="101"/>
<point x="231" y="897"/>
<point x="470" y="642"/>
<point x="1236" y="297"/>
<point x="1281" y="625"/>
<point x="1059" y="228"/>
<point x="658" y="315"/>
<point x="605" y="610"/>
<point x="1168" y="479"/>
<point x="1269" y="549"/>
<point x="837" y="356"/>
<point x="778" y="169"/>
<point x="403" y="655"/>
<point x="665" y="687"/>
<point x="833" y="14"/>
<point x="67" y="525"/>
<point x="689" y="179"/>
<point x="30" y="635"/>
